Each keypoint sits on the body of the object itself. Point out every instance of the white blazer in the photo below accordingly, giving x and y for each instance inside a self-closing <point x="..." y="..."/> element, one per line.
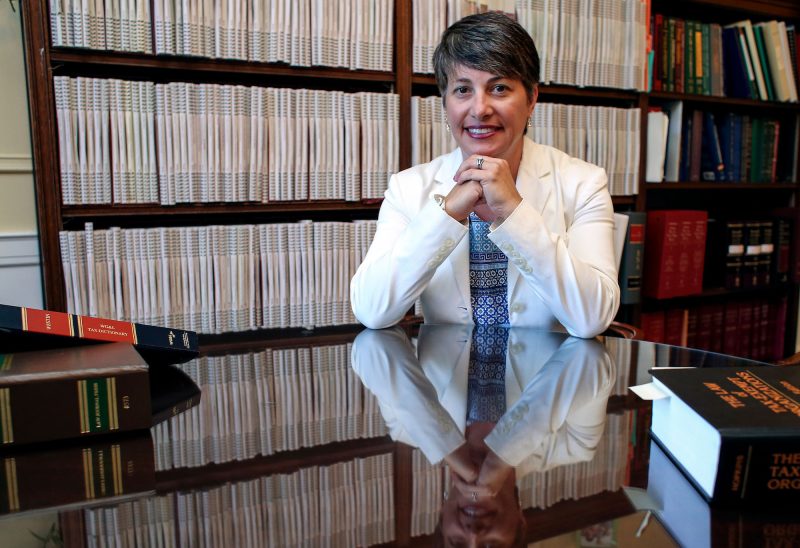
<point x="559" y="243"/>
<point x="557" y="390"/>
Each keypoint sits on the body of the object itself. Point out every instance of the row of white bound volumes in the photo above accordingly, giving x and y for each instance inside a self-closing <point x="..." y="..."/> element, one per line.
<point x="107" y="142"/>
<point x="345" y="504"/>
<point x="431" y="17"/>
<point x="599" y="43"/>
<point x="127" y="142"/>
<point x="265" y="402"/>
<point x="605" y="136"/>
<point x="354" y="34"/>
<point x="218" y="278"/>
<point x="121" y="25"/>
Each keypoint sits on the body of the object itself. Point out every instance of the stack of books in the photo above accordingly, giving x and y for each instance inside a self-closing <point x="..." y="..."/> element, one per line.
<point x="78" y="396"/>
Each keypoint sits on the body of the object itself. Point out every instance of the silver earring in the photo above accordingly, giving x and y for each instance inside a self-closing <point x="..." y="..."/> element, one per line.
<point x="448" y="127"/>
<point x="530" y="124"/>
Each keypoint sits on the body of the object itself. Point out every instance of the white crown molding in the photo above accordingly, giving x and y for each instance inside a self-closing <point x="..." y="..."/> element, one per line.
<point x="19" y="249"/>
<point x="16" y="163"/>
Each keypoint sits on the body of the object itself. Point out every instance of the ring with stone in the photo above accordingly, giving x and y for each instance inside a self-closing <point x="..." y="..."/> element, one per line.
<point x="475" y="493"/>
<point x="479" y="162"/>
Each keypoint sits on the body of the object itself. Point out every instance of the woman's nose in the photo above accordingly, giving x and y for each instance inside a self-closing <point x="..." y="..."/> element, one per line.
<point x="481" y="106"/>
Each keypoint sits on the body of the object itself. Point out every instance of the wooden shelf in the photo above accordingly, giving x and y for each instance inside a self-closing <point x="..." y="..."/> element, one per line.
<point x="73" y="61"/>
<point x="138" y="213"/>
<point x="711" y="293"/>
<point x="280" y="463"/>
<point x="722" y="102"/>
<point x="721" y="186"/>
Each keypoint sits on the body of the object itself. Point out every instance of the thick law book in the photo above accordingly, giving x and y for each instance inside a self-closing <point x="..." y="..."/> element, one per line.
<point x="734" y="432"/>
<point x="23" y="328"/>
<point x="102" y="470"/>
<point x="73" y="392"/>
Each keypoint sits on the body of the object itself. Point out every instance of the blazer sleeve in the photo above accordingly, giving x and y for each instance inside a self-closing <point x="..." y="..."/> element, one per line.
<point x="574" y="274"/>
<point x="414" y="236"/>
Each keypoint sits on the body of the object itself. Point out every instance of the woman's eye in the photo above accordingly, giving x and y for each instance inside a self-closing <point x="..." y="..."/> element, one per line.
<point x="500" y="88"/>
<point x="461" y="90"/>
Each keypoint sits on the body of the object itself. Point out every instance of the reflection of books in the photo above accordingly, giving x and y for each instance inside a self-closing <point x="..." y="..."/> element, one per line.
<point x="694" y="523"/>
<point x="31" y="329"/>
<point x="73" y="392"/>
<point x="735" y="432"/>
<point x="106" y="469"/>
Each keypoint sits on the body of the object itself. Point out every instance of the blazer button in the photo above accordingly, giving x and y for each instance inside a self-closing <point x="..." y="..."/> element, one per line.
<point x="517" y="307"/>
<point x="448" y="242"/>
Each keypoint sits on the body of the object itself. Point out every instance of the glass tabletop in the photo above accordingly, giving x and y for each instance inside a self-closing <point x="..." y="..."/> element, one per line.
<point x="424" y="436"/>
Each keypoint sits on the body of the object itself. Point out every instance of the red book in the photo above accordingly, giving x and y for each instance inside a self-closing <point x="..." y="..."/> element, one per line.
<point x="705" y="315"/>
<point x="658" y="57"/>
<point x="698" y="222"/>
<point x="730" y="340"/>
<point x="777" y="327"/>
<point x="746" y="329"/>
<point x="23" y="328"/>
<point x="662" y="241"/>
<point x="653" y="327"/>
<point x="676" y="326"/>
<point x="675" y="241"/>
<point x="717" y="327"/>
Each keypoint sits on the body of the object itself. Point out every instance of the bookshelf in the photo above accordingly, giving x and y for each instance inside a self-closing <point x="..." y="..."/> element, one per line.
<point x="46" y="62"/>
<point x="743" y="199"/>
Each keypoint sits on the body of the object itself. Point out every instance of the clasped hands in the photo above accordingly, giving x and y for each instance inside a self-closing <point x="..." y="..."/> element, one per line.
<point x="490" y="191"/>
<point x="477" y="472"/>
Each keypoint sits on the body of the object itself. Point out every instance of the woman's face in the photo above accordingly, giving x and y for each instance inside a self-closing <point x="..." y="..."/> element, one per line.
<point x="487" y="113"/>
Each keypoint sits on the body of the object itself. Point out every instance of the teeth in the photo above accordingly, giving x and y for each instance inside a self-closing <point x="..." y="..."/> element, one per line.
<point x="480" y="131"/>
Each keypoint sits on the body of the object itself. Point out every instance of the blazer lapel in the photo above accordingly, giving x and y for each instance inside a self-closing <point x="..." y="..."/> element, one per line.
<point x="459" y="257"/>
<point x="535" y="184"/>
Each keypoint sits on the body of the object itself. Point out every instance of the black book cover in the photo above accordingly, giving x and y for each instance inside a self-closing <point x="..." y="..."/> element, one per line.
<point x="756" y="412"/>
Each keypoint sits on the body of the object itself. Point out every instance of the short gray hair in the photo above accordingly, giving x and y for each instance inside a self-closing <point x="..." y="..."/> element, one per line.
<point x="491" y="42"/>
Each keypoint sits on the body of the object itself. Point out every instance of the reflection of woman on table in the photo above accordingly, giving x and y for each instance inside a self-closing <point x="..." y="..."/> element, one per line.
<point x="501" y="230"/>
<point x="493" y="403"/>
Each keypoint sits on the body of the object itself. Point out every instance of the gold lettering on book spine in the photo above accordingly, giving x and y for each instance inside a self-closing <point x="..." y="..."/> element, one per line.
<point x="5" y="415"/>
<point x="116" y="467"/>
<point x="11" y="484"/>
<point x="24" y="318"/>
<point x="88" y="474"/>
<point x="113" y="416"/>
<point x="83" y="407"/>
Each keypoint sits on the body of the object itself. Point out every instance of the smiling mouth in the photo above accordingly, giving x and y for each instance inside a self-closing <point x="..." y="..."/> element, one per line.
<point x="480" y="131"/>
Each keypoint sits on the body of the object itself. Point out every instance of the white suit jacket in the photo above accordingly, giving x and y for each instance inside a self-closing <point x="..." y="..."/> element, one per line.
<point x="559" y="243"/>
<point x="557" y="390"/>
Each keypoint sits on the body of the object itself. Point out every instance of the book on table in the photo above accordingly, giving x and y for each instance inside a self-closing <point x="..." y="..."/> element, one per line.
<point x="81" y="391"/>
<point x="734" y="432"/>
<point x="23" y="328"/>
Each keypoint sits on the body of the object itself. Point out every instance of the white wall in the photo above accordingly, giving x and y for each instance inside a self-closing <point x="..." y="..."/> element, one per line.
<point x="20" y="272"/>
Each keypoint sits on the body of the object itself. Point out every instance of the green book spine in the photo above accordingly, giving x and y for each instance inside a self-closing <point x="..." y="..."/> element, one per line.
<point x="762" y="54"/>
<point x="705" y="77"/>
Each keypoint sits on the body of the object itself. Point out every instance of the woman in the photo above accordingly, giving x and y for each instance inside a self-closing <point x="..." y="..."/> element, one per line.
<point x="502" y="230"/>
